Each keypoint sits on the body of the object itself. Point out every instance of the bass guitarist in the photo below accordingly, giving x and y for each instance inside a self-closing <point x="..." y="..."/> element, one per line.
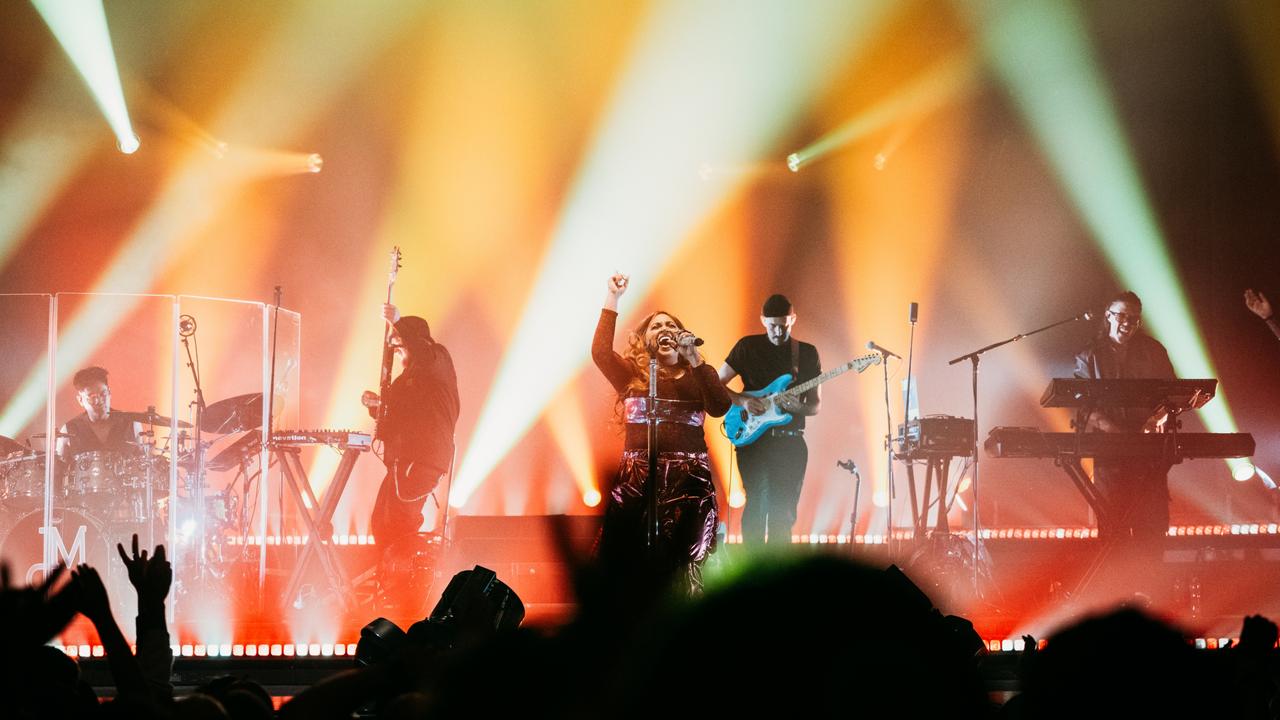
<point x="416" y="428"/>
<point x="772" y="466"/>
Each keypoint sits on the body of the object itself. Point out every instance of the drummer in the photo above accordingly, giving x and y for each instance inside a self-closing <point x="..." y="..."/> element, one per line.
<point x="96" y="429"/>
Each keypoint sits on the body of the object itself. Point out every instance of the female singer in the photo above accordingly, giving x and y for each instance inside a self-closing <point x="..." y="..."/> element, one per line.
<point x="688" y="388"/>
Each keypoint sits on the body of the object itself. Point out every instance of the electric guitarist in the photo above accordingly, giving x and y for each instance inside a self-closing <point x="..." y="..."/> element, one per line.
<point x="773" y="466"/>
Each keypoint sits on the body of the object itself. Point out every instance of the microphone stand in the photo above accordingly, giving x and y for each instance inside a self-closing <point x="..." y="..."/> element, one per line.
<point x="651" y="487"/>
<point x="852" y="467"/>
<point x="906" y="420"/>
<point x="974" y="358"/>
<point x="199" y="445"/>
<point x="888" y="444"/>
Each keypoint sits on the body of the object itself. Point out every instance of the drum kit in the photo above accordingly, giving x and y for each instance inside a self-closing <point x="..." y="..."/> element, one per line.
<point x="102" y="497"/>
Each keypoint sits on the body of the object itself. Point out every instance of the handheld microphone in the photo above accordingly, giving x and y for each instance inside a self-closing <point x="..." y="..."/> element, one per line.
<point x="684" y="338"/>
<point x="688" y="338"/>
<point x="914" y="313"/>
<point x="871" y="345"/>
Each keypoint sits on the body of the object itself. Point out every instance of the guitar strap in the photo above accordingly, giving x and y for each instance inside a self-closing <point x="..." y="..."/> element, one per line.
<point x="795" y="360"/>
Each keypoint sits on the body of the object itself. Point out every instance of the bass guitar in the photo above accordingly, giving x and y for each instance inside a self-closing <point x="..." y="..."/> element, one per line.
<point x="743" y="428"/>
<point x="388" y="352"/>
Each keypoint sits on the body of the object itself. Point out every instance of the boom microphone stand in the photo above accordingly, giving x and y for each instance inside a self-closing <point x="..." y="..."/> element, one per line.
<point x="974" y="358"/>
<point x="888" y="445"/>
<point x="187" y="330"/>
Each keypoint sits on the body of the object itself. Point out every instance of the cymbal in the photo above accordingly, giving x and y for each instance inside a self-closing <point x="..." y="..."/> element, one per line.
<point x="234" y="414"/>
<point x="9" y="445"/>
<point x="149" y="417"/>
<point x="233" y="454"/>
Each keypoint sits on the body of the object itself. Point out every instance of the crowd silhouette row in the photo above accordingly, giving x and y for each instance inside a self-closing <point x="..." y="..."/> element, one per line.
<point x="815" y="635"/>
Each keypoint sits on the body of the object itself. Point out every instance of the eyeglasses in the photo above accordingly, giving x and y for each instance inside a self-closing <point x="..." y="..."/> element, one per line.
<point x="1123" y="317"/>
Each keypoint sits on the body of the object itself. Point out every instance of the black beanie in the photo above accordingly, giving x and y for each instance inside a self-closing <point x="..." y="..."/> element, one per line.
<point x="412" y="327"/>
<point x="776" y="306"/>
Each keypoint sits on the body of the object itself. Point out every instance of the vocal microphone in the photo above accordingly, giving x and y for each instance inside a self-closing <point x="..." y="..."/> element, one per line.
<point x="913" y="313"/>
<point x="186" y="325"/>
<point x="871" y="345"/>
<point x="1087" y="315"/>
<point x="685" y="338"/>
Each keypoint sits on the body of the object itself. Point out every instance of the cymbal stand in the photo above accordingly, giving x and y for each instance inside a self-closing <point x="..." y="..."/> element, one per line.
<point x="148" y="446"/>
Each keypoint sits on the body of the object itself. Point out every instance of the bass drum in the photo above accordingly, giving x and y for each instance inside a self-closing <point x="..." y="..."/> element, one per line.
<point x="77" y="538"/>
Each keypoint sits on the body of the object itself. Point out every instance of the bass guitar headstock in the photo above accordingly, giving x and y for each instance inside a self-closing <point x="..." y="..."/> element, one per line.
<point x="393" y="267"/>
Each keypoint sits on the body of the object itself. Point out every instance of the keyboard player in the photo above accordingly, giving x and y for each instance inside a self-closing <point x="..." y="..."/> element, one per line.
<point x="1136" y="491"/>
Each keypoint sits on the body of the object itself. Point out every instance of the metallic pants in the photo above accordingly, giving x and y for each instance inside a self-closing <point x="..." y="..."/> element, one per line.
<point x="687" y="515"/>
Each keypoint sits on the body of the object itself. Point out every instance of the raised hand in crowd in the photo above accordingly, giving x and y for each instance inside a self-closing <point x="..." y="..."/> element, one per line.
<point x="1257" y="304"/>
<point x="31" y="616"/>
<point x="151" y="577"/>
<point x="94" y="604"/>
<point x="91" y="594"/>
<point x="1258" y="635"/>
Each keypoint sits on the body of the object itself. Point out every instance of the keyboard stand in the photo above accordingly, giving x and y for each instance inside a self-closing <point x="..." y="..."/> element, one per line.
<point x="319" y="526"/>
<point x="936" y="471"/>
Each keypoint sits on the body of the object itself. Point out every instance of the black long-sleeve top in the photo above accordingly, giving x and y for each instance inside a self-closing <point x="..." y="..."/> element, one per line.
<point x="698" y="389"/>
<point x="421" y="411"/>
<point x="1141" y="357"/>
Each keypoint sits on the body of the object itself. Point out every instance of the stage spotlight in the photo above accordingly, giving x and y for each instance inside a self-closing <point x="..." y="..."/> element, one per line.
<point x="315" y="163"/>
<point x="794" y="162"/>
<point x="1265" y="478"/>
<point x="81" y="29"/>
<point x="128" y="144"/>
<point x="880" y="161"/>
<point x="1243" y="471"/>
<point x="591" y="498"/>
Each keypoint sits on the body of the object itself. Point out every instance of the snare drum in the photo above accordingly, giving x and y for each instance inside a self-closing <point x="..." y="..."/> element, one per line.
<point x="22" y="480"/>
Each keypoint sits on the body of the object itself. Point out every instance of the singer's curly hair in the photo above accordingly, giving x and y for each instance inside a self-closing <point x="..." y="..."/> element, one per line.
<point x="637" y="355"/>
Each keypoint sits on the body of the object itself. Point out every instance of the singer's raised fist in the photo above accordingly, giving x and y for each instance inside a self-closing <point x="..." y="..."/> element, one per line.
<point x="618" y="283"/>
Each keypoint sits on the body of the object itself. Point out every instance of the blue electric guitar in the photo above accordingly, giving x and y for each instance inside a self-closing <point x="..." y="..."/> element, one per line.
<point x="744" y="428"/>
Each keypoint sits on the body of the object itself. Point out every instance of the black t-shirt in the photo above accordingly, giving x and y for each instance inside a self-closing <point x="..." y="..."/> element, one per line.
<point x="760" y="362"/>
